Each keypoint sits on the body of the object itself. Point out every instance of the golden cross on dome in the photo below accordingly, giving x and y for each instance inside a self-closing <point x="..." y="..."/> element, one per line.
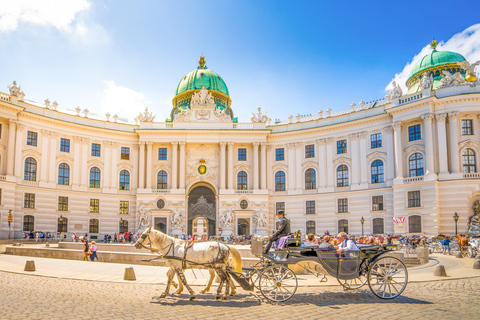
<point x="202" y="62"/>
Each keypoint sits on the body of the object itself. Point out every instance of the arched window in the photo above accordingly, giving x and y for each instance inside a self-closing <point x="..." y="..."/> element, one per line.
<point x="378" y="226"/>
<point x="310" y="179"/>
<point x="377" y="171"/>
<point x="93" y="226"/>
<point x="242" y="180"/>
<point x="416" y="165"/>
<point x="28" y="223"/>
<point x="414" y="224"/>
<point x="30" y="169"/>
<point x="123" y="226"/>
<point x="124" y="180"/>
<point x="280" y="181"/>
<point x="162" y="180"/>
<point x="64" y="174"/>
<point x="62" y="224"/>
<point x="311" y="227"/>
<point x="343" y="225"/>
<point x="342" y="176"/>
<point x="469" y="161"/>
<point x="94" y="177"/>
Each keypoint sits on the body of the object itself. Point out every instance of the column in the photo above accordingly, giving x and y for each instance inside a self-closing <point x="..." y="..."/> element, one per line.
<point x="390" y="155"/>
<point x="442" y="143"/>
<point x="149" y="165"/>
<point x="18" y="151"/>
<point x="52" y="171"/>
<point x="174" y="164"/>
<point x="269" y="172"/>
<point x="114" y="176"/>
<point x="45" y="157"/>
<point x="85" y="174"/>
<point x="429" y="162"/>
<point x="397" y="126"/>
<point x="363" y="158"/>
<point x="107" y="160"/>
<point x="77" y="142"/>
<point x="355" y="161"/>
<point x="263" y="166"/>
<point x="330" y="181"/>
<point x="230" y="166"/>
<point x="291" y="166"/>
<point x="298" y="165"/>
<point x="12" y="126"/>
<point x="222" y="165"/>
<point x="322" y="173"/>
<point x="454" y="163"/>
<point x="255" y="166"/>
<point x="135" y="173"/>
<point x="141" y="166"/>
<point x="182" y="164"/>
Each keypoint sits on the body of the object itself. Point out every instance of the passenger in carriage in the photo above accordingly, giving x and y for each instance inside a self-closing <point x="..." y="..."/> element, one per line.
<point x="311" y="241"/>
<point x="345" y="243"/>
<point x="326" y="245"/>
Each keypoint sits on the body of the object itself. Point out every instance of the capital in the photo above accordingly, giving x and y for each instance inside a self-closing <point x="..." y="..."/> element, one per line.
<point x="321" y="141"/>
<point x="298" y="144"/>
<point x="388" y="129"/>
<point x="174" y="143"/>
<point x="256" y="144"/>
<point x="182" y="144"/>
<point x="149" y="143"/>
<point x="12" y="122"/>
<point x="141" y="143"/>
<point x="290" y="145"/>
<point x="77" y="139"/>
<point x="397" y="125"/>
<point x="329" y="140"/>
<point x="428" y="117"/>
<point x="46" y="132"/>
<point x="441" y="117"/>
<point x="231" y="144"/>
<point x="263" y="144"/>
<point x="362" y="135"/>
<point x="85" y="140"/>
<point x="352" y="136"/>
<point x="453" y="115"/>
<point x="223" y="144"/>
<point x="53" y="134"/>
<point x="20" y="126"/>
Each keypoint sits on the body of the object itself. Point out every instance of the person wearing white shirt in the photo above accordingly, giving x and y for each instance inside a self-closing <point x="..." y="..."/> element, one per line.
<point x="345" y="243"/>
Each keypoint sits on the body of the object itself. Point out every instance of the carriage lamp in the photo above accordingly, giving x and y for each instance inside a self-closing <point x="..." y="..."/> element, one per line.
<point x="455" y="218"/>
<point x="362" y="221"/>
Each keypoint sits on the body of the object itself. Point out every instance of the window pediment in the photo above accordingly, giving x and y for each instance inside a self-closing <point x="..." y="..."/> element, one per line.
<point x="342" y="160"/>
<point x="95" y="163"/>
<point x="469" y="143"/>
<point x="310" y="164"/>
<point x="32" y="152"/>
<point x="414" y="148"/>
<point x="280" y="166"/>
<point x="242" y="167"/>
<point x="377" y="154"/>
<point x="64" y="158"/>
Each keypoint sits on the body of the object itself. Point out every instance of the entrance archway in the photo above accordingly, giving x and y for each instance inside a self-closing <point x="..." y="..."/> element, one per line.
<point x="243" y="227"/>
<point x="161" y="224"/>
<point x="201" y="204"/>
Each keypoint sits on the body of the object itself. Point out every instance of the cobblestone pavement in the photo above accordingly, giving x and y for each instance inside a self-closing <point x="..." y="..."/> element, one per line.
<point x="34" y="297"/>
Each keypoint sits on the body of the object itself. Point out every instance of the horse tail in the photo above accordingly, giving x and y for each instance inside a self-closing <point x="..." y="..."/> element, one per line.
<point x="236" y="259"/>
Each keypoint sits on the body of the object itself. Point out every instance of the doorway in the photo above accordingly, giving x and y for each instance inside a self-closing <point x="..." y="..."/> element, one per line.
<point x="161" y="224"/>
<point x="201" y="204"/>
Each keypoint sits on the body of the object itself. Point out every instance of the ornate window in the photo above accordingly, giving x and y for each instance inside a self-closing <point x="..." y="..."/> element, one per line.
<point x="279" y="154"/>
<point x="162" y="153"/>
<point x="62" y="225"/>
<point x="96" y="150"/>
<point x="30" y="169"/>
<point x="123" y="226"/>
<point x="310" y="207"/>
<point x="310" y="179"/>
<point x="94" y="177"/>
<point x="93" y="226"/>
<point x="242" y="154"/>
<point x="125" y="153"/>
<point x="279" y="206"/>
<point x="376" y="140"/>
<point x="64" y="174"/>
<point x="467" y="127"/>
<point x="160" y="204"/>
<point x="414" y="224"/>
<point x="310" y="151"/>
<point x="377" y="171"/>
<point x="416" y="165"/>
<point x="242" y="180"/>
<point x="162" y="180"/>
<point x="280" y="181"/>
<point x="414" y="133"/>
<point x="414" y="199"/>
<point x="311" y="227"/>
<point x="124" y="180"/>
<point x="342" y="176"/>
<point x="28" y="223"/>
<point x="94" y="205"/>
<point x="64" y="145"/>
<point x="29" y="201"/>
<point x="62" y="203"/>
<point x="341" y="146"/>
<point x="342" y="205"/>
<point x="123" y="207"/>
<point x="377" y="203"/>
<point x="244" y="204"/>
<point x="469" y="161"/>
<point x="343" y="225"/>
<point x="378" y="226"/>
<point x="31" y="138"/>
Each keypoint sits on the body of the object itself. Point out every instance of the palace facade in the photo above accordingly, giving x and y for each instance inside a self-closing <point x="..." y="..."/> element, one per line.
<point x="403" y="164"/>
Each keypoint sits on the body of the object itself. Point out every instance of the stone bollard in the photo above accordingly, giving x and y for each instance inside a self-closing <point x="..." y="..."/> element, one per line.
<point x="129" y="274"/>
<point x="458" y="255"/>
<point x="47" y="245"/>
<point x="476" y="264"/>
<point x="440" y="271"/>
<point x="30" y="265"/>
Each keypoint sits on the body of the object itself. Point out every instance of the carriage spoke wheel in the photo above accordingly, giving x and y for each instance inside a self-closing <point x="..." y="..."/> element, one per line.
<point x="387" y="277"/>
<point x="278" y="283"/>
<point x="258" y="269"/>
<point x="353" y="284"/>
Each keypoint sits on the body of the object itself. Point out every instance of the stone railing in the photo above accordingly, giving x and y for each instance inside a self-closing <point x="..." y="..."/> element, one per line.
<point x="3" y="177"/>
<point x="310" y="191"/>
<point x="377" y="185"/>
<point x="160" y="191"/>
<point x="165" y="125"/>
<point x="339" y="189"/>
<point x="410" y="98"/>
<point x="243" y="126"/>
<point x="413" y="179"/>
<point x="473" y="175"/>
<point x="4" y="97"/>
<point x="243" y="191"/>
<point x="30" y="183"/>
<point x="64" y="187"/>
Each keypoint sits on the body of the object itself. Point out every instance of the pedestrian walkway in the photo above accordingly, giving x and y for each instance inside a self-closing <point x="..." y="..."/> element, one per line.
<point x="113" y="272"/>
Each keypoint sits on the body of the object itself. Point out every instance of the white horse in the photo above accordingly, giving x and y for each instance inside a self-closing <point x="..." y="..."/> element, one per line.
<point x="179" y="256"/>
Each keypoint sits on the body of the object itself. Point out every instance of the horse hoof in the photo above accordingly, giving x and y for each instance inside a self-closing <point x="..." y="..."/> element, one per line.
<point x="178" y="292"/>
<point x="224" y="298"/>
<point x="217" y="298"/>
<point x="192" y="298"/>
<point x="233" y="293"/>
<point x="203" y="291"/>
<point x="175" y="285"/>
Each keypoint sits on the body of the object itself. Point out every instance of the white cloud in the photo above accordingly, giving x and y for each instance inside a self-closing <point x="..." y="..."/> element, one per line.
<point x="467" y="43"/>
<point x="121" y="100"/>
<point x="57" y="13"/>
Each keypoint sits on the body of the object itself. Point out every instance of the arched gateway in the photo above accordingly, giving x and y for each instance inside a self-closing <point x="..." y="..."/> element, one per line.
<point x="202" y="215"/>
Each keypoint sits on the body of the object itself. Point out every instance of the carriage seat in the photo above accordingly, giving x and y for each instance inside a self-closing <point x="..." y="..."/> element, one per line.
<point x="282" y="242"/>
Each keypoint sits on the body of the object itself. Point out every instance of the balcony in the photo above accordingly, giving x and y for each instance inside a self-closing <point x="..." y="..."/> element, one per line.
<point x="4" y="97"/>
<point x="410" y="98"/>
<point x="243" y="191"/>
<point x="30" y="183"/>
<point x="3" y="178"/>
<point x="310" y="191"/>
<point x="64" y="187"/>
<point x="413" y="179"/>
<point x="160" y="191"/>
<point x="377" y="185"/>
<point x="473" y="175"/>
<point x="340" y="189"/>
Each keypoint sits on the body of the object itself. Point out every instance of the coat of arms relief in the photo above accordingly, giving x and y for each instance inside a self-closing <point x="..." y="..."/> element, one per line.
<point x="202" y="156"/>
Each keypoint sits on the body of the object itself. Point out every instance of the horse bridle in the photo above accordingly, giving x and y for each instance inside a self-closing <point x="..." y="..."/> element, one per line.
<point x="147" y="235"/>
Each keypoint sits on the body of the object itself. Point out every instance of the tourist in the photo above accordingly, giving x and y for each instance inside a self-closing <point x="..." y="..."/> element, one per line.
<point x="115" y="238"/>
<point x="311" y="241"/>
<point x="345" y="243"/>
<point x="326" y="245"/>
<point x="74" y="237"/>
<point x="389" y="239"/>
<point x="37" y="235"/>
<point x="105" y="238"/>
<point x="446" y="245"/>
<point x="85" y="249"/>
<point x="93" y="250"/>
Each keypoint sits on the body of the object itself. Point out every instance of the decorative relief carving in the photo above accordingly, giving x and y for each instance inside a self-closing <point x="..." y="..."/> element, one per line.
<point x="397" y="125"/>
<point x="452" y="116"/>
<point x="210" y="158"/>
<point x="388" y="130"/>
<point x="146" y="116"/>
<point x="428" y="117"/>
<point x="203" y="109"/>
<point x="259" y="117"/>
<point x="441" y="117"/>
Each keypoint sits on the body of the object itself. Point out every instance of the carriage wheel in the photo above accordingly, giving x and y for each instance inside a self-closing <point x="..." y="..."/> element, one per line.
<point x="353" y="284"/>
<point x="387" y="277"/>
<point x="438" y="248"/>
<point x="278" y="283"/>
<point x="258" y="269"/>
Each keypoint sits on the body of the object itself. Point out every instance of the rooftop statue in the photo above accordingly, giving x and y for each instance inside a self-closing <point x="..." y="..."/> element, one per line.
<point x="259" y="117"/>
<point x="146" y="116"/>
<point x="395" y="92"/>
<point x="203" y="97"/>
<point x="449" y="80"/>
<point x="469" y="70"/>
<point x="426" y="82"/>
<point x="14" y="90"/>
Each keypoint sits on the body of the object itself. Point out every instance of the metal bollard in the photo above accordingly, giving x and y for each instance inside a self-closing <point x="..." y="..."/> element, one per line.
<point x="440" y="271"/>
<point x="129" y="274"/>
<point x="30" y="265"/>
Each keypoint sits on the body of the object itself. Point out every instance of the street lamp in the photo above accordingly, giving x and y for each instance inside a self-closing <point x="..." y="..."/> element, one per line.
<point x="362" y="221"/>
<point x="455" y="217"/>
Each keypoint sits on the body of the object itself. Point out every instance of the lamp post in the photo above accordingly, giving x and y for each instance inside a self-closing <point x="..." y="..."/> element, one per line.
<point x="362" y="221"/>
<point x="455" y="218"/>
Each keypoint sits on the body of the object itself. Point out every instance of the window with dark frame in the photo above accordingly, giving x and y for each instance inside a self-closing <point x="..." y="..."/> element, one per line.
<point x="244" y="204"/>
<point x="30" y="173"/>
<point x="310" y="151"/>
<point x="310" y="179"/>
<point x="376" y="140"/>
<point x="377" y="203"/>
<point x="96" y="148"/>
<point x="414" y="199"/>
<point x="94" y="205"/>
<point x="32" y="138"/>
<point x="342" y="205"/>
<point x="123" y="207"/>
<point x="279" y="154"/>
<point x="469" y="161"/>
<point x="310" y="207"/>
<point x="125" y="153"/>
<point x="414" y="133"/>
<point x="467" y="127"/>
<point x="242" y="154"/>
<point x="162" y="180"/>
<point x="124" y="180"/>
<point x="279" y="206"/>
<point x="415" y="165"/>
<point x="377" y="171"/>
<point x="310" y="227"/>
<point x="28" y="223"/>
<point x="64" y="145"/>
<point x="62" y="203"/>
<point x="94" y="178"/>
<point x="62" y="224"/>
<point x="342" y="176"/>
<point x="29" y="201"/>
<point x="63" y="174"/>
<point x="123" y="226"/>
<point x="93" y="226"/>
<point x="415" y="224"/>
<point x="341" y="146"/>
<point x="242" y="181"/>
<point x="378" y="226"/>
<point x="162" y="153"/>
<point x="280" y="181"/>
<point x="343" y="226"/>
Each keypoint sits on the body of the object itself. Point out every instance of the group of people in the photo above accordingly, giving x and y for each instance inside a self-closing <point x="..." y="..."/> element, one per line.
<point x="89" y="249"/>
<point x="38" y="236"/>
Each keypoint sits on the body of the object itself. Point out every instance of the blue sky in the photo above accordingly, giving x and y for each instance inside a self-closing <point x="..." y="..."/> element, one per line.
<point x="286" y="57"/>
